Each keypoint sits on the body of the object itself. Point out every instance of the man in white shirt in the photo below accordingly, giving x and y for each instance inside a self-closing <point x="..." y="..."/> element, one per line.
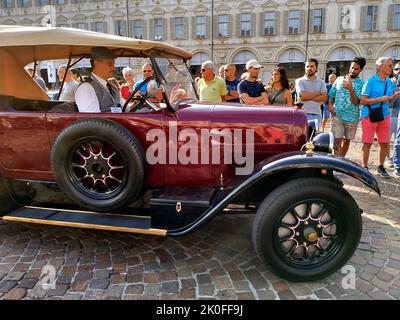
<point x="96" y="94"/>
<point x="311" y="91"/>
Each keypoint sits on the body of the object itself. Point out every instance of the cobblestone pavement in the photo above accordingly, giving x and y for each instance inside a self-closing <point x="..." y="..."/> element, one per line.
<point x="216" y="262"/>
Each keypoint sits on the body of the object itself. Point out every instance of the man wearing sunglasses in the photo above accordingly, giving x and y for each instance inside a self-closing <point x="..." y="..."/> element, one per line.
<point x="211" y="87"/>
<point x="151" y="89"/>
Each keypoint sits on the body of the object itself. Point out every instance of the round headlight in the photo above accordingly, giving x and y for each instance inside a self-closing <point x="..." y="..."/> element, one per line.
<point x="324" y="142"/>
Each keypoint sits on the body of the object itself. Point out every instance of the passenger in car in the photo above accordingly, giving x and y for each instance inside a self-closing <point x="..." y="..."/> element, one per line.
<point x="70" y="85"/>
<point x="96" y="94"/>
<point x="127" y="87"/>
<point x="151" y="89"/>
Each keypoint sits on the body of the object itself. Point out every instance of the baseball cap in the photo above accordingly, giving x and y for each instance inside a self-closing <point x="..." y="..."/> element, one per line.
<point x="102" y="52"/>
<point x="253" y="64"/>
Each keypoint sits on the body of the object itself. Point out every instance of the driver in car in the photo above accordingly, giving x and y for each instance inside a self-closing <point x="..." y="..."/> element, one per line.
<point x="96" y="94"/>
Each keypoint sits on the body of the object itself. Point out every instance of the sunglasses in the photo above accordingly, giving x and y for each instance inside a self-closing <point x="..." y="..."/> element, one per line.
<point x="396" y="69"/>
<point x="204" y="70"/>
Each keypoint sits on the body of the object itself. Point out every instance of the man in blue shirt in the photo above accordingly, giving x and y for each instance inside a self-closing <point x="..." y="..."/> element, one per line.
<point x="250" y="90"/>
<point x="377" y="91"/>
<point x="231" y="83"/>
<point x="154" y="93"/>
<point x="396" y="107"/>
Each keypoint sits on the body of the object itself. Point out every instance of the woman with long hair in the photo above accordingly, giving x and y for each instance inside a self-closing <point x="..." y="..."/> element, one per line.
<point x="278" y="88"/>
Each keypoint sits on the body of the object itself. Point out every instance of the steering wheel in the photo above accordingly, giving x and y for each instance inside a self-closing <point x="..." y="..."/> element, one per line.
<point x="141" y="100"/>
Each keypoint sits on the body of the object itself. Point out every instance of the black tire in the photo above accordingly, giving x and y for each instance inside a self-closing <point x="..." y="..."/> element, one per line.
<point x="99" y="164"/>
<point x="291" y="241"/>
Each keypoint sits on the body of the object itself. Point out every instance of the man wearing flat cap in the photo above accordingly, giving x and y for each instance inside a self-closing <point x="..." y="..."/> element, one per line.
<point x="96" y="94"/>
<point x="250" y="90"/>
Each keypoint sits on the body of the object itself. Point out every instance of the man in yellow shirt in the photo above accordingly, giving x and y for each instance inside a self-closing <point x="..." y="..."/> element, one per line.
<point x="211" y="87"/>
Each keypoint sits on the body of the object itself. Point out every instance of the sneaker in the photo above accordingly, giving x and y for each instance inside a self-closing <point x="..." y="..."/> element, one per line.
<point x="366" y="168"/>
<point x="389" y="163"/>
<point x="396" y="173"/>
<point x="382" y="172"/>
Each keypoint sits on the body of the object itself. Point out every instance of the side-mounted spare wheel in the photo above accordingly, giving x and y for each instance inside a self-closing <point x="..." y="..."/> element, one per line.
<point x="99" y="164"/>
<point x="307" y="229"/>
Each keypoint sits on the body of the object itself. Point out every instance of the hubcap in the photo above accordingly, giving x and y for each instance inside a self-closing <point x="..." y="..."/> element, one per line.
<point x="98" y="168"/>
<point x="309" y="233"/>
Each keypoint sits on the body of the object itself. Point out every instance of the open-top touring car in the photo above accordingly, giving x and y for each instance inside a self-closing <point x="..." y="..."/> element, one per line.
<point x="167" y="168"/>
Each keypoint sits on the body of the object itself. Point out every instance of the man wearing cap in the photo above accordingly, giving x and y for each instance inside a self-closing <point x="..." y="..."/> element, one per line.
<point x="250" y="90"/>
<point x="211" y="87"/>
<point x="96" y="94"/>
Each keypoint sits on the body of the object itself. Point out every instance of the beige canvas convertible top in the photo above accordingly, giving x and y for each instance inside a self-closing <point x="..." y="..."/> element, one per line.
<point x="20" y="46"/>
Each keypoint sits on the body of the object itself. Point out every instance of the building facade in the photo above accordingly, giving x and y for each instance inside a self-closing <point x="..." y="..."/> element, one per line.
<point x="271" y="31"/>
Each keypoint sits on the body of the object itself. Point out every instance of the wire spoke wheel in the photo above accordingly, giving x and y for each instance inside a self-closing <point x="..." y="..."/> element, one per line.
<point x="98" y="168"/>
<point x="99" y="164"/>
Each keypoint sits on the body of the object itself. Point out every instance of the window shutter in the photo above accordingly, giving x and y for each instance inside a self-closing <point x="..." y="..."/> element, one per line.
<point x="230" y="25"/>
<point x="363" y="18"/>
<point x="93" y="26"/>
<point x="301" y="24"/>
<point x="277" y="23"/>
<point x="375" y="18"/>
<point x="164" y="36"/>
<point x="193" y="21"/>
<point x="152" y="29"/>
<point x="216" y="29"/>
<point x="390" y="17"/>
<point x="208" y="27"/>
<point x="145" y="30"/>
<point x="173" y="25"/>
<point x="261" y="23"/>
<point x="323" y="18"/>
<point x="238" y="25"/>
<point x="286" y="21"/>
<point x="253" y="24"/>
<point x="311" y="22"/>
<point x="105" y="27"/>
<point x="185" y="28"/>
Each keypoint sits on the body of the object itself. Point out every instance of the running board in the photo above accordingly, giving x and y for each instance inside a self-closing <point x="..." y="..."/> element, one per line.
<point x="84" y="219"/>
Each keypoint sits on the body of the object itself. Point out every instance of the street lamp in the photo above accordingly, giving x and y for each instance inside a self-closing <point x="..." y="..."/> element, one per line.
<point x="212" y="30"/>
<point x="127" y="18"/>
<point x="308" y="27"/>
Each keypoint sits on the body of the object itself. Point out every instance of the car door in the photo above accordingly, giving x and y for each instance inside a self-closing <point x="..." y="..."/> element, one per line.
<point x="24" y="145"/>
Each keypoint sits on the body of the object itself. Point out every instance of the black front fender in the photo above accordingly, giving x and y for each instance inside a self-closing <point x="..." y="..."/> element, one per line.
<point x="279" y="164"/>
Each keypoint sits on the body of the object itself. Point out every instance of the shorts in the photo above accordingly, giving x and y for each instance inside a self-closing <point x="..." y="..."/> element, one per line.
<point x="325" y="112"/>
<point x="343" y="129"/>
<point x="381" y="129"/>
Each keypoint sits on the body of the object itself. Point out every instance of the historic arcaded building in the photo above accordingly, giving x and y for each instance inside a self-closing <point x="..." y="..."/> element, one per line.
<point x="273" y="31"/>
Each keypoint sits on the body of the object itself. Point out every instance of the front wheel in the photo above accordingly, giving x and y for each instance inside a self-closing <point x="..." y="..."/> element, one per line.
<point x="307" y="229"/>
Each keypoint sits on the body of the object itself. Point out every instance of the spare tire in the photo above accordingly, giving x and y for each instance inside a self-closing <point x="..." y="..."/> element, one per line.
<point x="99" y="164"/>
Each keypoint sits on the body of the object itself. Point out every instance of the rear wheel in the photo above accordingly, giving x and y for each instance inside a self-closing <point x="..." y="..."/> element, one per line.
<point x="99" y="164"/>
<point x="307" y="229"/>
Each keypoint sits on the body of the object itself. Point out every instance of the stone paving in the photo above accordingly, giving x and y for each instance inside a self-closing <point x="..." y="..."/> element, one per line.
<point x="216" y="262"/>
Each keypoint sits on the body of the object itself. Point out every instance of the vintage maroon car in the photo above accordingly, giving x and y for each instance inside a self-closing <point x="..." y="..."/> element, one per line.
<point x="167" y="168"/>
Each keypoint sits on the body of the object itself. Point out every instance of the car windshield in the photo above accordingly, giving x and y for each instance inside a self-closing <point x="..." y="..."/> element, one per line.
<point x="177" y="82"/>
